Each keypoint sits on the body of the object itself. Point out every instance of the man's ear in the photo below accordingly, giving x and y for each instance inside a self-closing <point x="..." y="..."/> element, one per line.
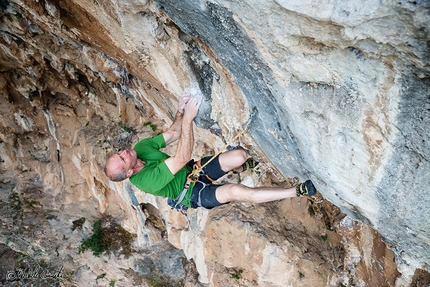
<point x="129" y="173"/>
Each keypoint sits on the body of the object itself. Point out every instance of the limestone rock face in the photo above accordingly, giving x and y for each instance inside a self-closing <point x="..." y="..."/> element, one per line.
<point x="342" y="91"/>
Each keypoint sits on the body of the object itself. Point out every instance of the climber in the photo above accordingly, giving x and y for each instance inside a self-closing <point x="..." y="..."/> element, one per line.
<point x="157" y="173"/>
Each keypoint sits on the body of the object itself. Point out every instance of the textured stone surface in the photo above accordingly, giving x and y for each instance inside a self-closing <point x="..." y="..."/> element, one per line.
<point x="339" y="101"/>
<point x="342" y="91"/>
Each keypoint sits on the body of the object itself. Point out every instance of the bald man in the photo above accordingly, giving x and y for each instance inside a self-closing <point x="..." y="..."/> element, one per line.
<point x="157" y="173"/>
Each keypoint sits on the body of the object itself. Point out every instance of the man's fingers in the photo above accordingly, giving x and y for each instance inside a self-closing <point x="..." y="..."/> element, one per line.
<point x="183" y="102"/>
<point x="186" y="97"/>
<point x="192" y="107"/>
<point x="197" y="103"/>
<point x="197" y="98"/>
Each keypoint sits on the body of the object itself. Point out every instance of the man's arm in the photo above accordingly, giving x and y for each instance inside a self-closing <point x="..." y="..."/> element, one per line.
<point x="186" y="139"/>
<point x="174" y="132"/>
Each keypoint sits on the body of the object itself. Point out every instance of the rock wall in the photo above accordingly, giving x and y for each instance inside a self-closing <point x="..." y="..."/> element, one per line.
<point x="343" y="95"/>
<point x="342" y="92"/>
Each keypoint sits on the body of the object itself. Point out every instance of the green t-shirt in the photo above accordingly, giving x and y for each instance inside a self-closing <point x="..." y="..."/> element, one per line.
<point x="155" y="177"/>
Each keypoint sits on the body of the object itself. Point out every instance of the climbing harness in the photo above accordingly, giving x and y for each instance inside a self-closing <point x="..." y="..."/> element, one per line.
<point x="198" y="171"/>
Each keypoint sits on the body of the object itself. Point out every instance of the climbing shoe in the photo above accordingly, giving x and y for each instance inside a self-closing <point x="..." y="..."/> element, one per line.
<point x="305" y="189"/>
<point x="249" y="163"/>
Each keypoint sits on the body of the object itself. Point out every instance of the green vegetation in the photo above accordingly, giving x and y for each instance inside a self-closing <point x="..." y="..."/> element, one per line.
<point x="110" y="238"/>
<point x="124" y="127"/>
<point x="102" y="276"/>
<point x="324" y="237"/>
<point x="157" y="281"/>
<point x="30" y="203"/>
<point x="15" y="201"/>
<point x="311" y="210"/>
<point x="31" y="95"/>
<point x="94" y="242"/>
<point x="237" y="274"/>
<point x="153" y="126"/>
<point x="301" y="275"/>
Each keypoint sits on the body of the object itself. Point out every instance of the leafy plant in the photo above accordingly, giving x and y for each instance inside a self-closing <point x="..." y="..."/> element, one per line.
<point x="311" y="210"/>
<point x="124" y="127"/>
<point x="31" y="95"/>
<point x="112" y="237"/>
<point x="153" y="126"/>
<point x="301" y="275"/>
<point x="101" y="276"/>
<point x="30" y="203"/>
<point x="237" y="274"/>
<point x="94" y="242"/>
<point x="15" y="201"/>
<point x="156" y="281"/>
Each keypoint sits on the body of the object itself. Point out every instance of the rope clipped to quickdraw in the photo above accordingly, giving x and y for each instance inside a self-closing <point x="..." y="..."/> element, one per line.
<point x="197" y="169"/>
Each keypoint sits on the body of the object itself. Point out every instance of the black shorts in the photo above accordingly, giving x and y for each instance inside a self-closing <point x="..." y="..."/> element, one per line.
<point x="204" y="190"/>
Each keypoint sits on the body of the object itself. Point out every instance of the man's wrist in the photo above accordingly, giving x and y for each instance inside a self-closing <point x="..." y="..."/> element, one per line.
<point x="187" y="120"/>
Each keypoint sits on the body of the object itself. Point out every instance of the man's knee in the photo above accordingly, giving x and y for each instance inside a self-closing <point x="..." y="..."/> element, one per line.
<point x="233" y="192"/>
<point x="232" y="159"/>
<point x="243" y="154"/>
<point x="240" y="155"/>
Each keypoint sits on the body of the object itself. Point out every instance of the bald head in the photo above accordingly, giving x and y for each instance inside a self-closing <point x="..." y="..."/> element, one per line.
<point x="114" y="171"/>
<point x="121" y="165"/>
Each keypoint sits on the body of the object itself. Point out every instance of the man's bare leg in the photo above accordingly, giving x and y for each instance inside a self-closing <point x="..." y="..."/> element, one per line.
<point x="238" y="192"/>
<point x="233" y="160"/>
